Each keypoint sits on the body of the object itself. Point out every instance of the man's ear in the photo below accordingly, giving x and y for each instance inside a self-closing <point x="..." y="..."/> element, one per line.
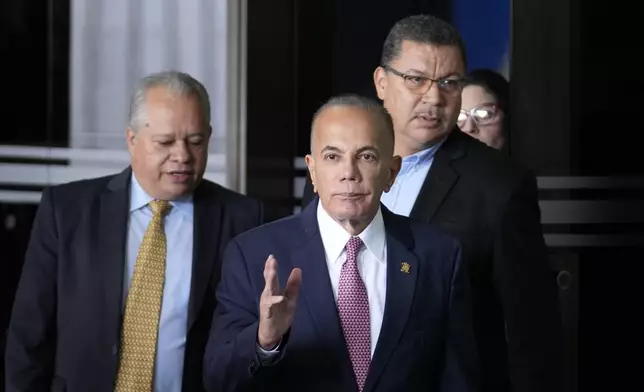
<point x="380" y="82"/>
<point x="130" y="138"/>
<point x="310" y="164"/>
<point x="394" y="169"/>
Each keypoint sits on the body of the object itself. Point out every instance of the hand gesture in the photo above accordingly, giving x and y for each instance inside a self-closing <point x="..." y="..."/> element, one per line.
<point x="276" y="307"/>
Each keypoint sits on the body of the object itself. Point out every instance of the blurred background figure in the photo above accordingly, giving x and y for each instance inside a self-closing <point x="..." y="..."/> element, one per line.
<point x="484" y="108"/>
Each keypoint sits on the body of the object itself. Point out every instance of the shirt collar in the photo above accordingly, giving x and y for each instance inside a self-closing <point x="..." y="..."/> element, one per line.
<point x="421" y="157"/>
<point x="335" y="237"/>
<point x="139" y="198"/>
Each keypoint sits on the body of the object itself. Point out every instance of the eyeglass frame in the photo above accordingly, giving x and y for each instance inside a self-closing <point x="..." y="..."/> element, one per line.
<point x="495" y="108"/>
<point x="439" y="82"/>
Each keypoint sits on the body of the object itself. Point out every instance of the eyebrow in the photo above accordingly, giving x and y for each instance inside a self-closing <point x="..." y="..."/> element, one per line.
<point x="189" y="135"/>
<point x="485" y="103"/>
<point x="162" y="136"/>
<point x="367" y="148"/>
<point x="412" y="70"/>
<point x="330" y="149"/>
<point x="360" y="150"/>
<point x="421" y="73"/>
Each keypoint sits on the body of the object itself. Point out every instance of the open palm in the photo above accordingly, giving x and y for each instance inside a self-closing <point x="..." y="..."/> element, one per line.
<point x="277" y="306"/>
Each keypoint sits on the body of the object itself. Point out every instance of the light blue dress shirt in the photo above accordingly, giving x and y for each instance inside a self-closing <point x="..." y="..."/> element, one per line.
<point x="173" y="322"/>
<point x="401" y="197"/>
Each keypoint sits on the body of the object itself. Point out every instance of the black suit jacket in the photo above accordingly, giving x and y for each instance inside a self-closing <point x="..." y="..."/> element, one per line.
<point x="66" y="320"/>
<point x="490" y="204"/>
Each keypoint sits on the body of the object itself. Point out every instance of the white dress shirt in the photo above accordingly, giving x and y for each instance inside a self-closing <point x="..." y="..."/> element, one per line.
<point x="372" y="262"/>
<point x="173" y="321"/>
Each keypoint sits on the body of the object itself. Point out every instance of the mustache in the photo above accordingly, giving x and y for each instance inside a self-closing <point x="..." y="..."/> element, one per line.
<point x="432" y="112"/>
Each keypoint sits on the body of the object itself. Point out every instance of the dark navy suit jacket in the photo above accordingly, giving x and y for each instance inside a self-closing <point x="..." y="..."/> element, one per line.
<point x="426" y="342"/>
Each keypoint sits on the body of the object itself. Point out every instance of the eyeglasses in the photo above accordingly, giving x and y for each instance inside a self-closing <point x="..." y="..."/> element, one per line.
<point x="421" y="84"/>
<point x="484" y="114"/>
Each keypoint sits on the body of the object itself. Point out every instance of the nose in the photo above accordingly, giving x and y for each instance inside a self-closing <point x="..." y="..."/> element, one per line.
<point x="181" y="152"/>
<point x="433" y="95"/>
<point x="469" y="126"/>
<point x="350" y="170"/>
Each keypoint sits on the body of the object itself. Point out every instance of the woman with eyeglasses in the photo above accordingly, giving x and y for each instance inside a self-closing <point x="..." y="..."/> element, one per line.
<point x="484" y="107"/>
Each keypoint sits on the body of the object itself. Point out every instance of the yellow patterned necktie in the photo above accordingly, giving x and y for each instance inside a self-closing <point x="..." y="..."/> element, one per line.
<point x="143" y="307"/>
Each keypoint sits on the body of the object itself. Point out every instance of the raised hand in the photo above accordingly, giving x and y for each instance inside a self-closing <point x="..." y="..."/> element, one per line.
<point x="277" y="306"/>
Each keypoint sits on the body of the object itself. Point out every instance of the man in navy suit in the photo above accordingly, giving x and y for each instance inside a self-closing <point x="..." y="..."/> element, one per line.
<point x="372" y="302"/>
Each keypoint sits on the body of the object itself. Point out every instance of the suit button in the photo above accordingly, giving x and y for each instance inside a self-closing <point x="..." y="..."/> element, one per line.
<point x="115" y="350"/>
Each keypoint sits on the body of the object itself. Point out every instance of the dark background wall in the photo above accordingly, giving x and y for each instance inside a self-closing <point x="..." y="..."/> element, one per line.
<point x="34" y="48"/>
<point x="574" y="89"/>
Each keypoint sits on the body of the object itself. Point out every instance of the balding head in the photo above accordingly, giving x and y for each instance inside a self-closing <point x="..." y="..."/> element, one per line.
<point x="351" y="161"/>
<point x="381" y="120"/>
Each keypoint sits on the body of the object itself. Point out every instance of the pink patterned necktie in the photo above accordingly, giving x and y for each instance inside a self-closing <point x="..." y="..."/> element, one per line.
<point x="353" y="307"/>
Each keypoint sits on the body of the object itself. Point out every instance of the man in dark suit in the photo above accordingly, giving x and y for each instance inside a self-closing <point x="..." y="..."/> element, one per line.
<point x="117" y="290"/>
<point x="479" y="196"/>
<point x="373" y="302"/>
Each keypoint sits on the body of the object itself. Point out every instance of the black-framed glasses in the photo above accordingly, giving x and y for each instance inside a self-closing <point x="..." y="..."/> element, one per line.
<point x="483" y="114"/>
<point x="421" y="84"/>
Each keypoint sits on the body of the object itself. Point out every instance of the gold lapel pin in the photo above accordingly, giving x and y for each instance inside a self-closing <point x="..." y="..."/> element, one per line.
<point x="405" y="267"/>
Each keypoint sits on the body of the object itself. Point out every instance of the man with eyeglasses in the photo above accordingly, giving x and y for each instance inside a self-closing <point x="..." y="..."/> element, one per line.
<point x="476" y="194"/>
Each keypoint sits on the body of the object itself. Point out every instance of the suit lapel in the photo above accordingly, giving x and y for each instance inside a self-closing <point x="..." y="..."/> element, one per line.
<point x="208" y="216"/>
<point x="402" y="273"/>
<point x="440" y="179"/>
<point x="316" y="292"/>
<point x="110" y="245"/>
<point x="316" y="288"/>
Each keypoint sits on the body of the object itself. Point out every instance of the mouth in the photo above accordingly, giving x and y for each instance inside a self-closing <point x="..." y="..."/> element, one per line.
<point x="350" y="195"/>
<point x="180" y="175"/>
<point x="429" y="120"/>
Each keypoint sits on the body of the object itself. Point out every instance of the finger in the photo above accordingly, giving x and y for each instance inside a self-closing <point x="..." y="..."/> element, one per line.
<point x="293" y="284"/>
<point x="267" y="266"/>
<point x="273" y="300"/>
<point x="270" y="305"/>
<point x="270" y="276"/>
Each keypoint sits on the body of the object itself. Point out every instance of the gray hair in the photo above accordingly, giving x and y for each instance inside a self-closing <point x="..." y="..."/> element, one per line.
<point x="375" y="109"/>
<point x="174" y="81"/>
